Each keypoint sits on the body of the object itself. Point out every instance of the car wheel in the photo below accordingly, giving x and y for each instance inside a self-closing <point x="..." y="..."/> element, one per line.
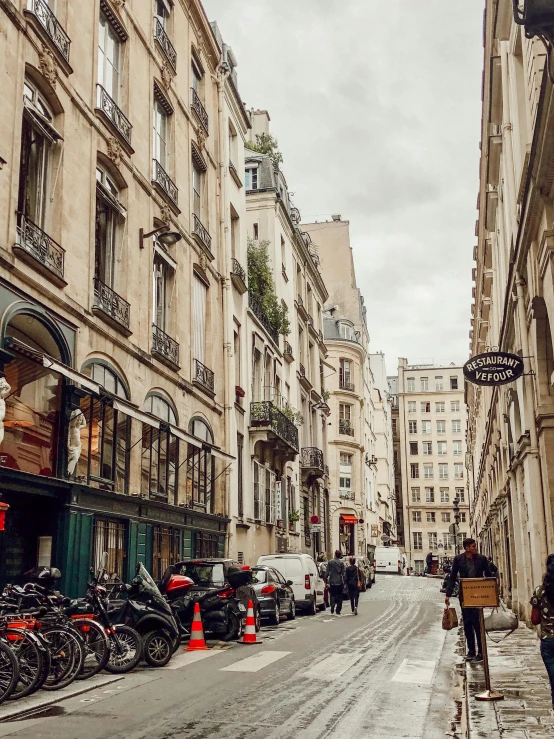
<point x="233" y="628"/>
<point x="312" y="609"/>
<point x="157" y="649"/>
<point x="258" y="620"/>
<point x="274" y="617"/>
<point x="322" y="606"/>
<point x="291" y="615"/>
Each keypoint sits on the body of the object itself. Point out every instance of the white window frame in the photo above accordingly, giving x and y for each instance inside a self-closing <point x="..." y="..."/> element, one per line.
<point x="443" y="471"/>
<point x="416" y="495"/>
<point x="410" y="384"/>
<point x="109" y="58"/>
<point x="428" y="472"/>
<point x="251" y="179"/>
<point x="445" y="495"/>
<point x="427" y="448"/>
<point x="412" y="406"/>
<point x="441" y="427"/>
<point x="430" y="495"/>
<point x="160" y="128"/>
<point x="442" y="448"/>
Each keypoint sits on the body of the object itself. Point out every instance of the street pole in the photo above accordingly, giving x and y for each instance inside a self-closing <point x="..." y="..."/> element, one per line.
<point x="488" y="694"/>
<point x="456" y="504"/>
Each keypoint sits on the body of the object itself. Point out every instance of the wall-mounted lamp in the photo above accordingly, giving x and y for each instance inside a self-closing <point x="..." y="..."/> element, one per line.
<point x="537" y="17"/>
<point x="165" y="236"/>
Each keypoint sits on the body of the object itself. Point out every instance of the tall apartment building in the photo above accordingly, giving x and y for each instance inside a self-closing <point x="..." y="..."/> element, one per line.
<point x="431" y="428"/>
<point x="511" y="430"/>
<point x="393" y="393"/>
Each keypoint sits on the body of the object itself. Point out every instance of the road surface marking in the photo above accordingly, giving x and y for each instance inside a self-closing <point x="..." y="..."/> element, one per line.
<point x="188" y="658"/>
<point x="418" y="671"/>
<point x="255" y="662"/>
<point x="333" y="666"/>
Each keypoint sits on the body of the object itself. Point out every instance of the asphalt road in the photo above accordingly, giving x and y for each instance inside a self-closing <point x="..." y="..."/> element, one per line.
<point x="384" y="673"/>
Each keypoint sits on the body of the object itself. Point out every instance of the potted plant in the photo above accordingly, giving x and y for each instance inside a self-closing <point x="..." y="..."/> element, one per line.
<point x="294" y="516"/>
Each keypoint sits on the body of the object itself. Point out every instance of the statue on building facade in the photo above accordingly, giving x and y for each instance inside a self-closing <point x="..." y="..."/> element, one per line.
<point x="77" y="421"/>
<point x="5" y="388"/>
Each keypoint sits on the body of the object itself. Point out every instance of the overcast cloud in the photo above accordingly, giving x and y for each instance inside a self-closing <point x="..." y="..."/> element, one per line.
<point x="376" y="106"/>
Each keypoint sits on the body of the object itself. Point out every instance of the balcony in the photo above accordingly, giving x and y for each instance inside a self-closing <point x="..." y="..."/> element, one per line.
<point x="203" y="376"/>
<point x="303" y="377"/>
<point x="38" y="249"/>
<point x="111" y="306"/>
<point x="234" y="174"/>
<point x="256" y="307"/>
<point x="164" y="181"/>
<point x="199" y="109"/>
<point x="165" y="44"/>
<point x="311" y="462"/>
<point x="164" y="347"/>
<point x="347" y="494"/>
<point x="264" y="414"/>
<point x="302" y="312"/>
<point x="50" y="24"/>
<point x="346" y="427"/>
<point x="346" y="385"/>
<point x="114" y="114"/>
<point x="201" y="234"/>
<point x="287" y="352"/>
<point x="238" y="276"/>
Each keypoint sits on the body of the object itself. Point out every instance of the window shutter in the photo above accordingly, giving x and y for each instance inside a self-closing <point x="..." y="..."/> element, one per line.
<point x="256" y="490"/>
<point x="273" y="492"/>
<point x="199" y="319"/>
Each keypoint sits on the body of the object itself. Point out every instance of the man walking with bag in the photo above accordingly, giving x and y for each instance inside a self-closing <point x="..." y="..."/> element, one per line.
<point x="469" y="564"/>
<point x="335" y="580"/>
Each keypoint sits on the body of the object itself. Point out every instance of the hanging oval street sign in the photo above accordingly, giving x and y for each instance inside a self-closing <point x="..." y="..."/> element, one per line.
<point x="493" y="368"/>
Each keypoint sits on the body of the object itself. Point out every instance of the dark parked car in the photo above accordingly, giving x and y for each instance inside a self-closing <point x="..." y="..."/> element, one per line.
<point x="274" y="593"/>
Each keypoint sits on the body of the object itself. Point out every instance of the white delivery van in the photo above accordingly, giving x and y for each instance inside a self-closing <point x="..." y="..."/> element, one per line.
<point x="388" y="559"/>
<point x="301" y="570"/>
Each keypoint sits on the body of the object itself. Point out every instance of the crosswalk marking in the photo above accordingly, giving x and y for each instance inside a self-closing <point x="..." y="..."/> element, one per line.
<point x="255" y="662"/>
<point x="333" y="666"/>
<point x="418" y="671"/>
<point x="188" y="658"/>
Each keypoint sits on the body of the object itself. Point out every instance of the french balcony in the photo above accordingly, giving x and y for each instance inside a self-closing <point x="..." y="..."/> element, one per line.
<point x="113" y="113"/>
<point x="111" y="306"/>
<point x="346" y="385"/>
<point x="199" y="109"/>
<point x="302" y="312"/>
<point x="51" y="26"/>
<point x="287" y="352"/>
<point x="161" y="37"/>
<point x="346" y="427"/>
<point x="311" y="462"/>
<point x="203" y="376"/>
<point x="303" y="377"/>
<point x="35" y="247"/>
<point x="238" y="276"/>
<point x="256" y="307"/>
<point x="347" y="494"/>
<point x="164" y="182"/>
<point x="200" y="232"/>
<point x="164" y="347"/>
<point x="234" y="174"/>
<point x="282" y="431"/>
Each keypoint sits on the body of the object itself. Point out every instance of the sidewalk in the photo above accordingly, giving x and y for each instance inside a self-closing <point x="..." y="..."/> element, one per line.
<point x="517" y="671"/>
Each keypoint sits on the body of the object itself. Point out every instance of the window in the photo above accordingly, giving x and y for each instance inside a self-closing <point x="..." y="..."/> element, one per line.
<point x="428" y="471"/>
<point x="457" y="448"/>
<point x="419" y="566"/>
<point x="270" y="495"/>
<point x="411" y="386"/>
<point x="199" y="296"/>
<point x="426" y="427"/>
<point x="458" y="471"/>
<point x="345" y="380"/>
<point x="429" y="495"/>
<point x="439" y="385"/>
<point x="443" y="472"/>
<point x="441" y="448"/>
<point x="448" y="540"/>
<point x="425" y="407"/>
<point x="456" y="427"/>
<point x="240" y="474"/>
<point x="109" y="536"/>
<point x="427" y="448"/>
<point x="196" y="77"/>
<point x="430" y="516"/>
<point x="258" y="476"/>
<point x="445" y="517"/>
<point x="109" y="54"/>
<point x="433" y="543"/>
<point x="417" y="539"/>
<point x="462" y="517"/>
<point x="344" y="411"/>
<point x="412" y="427"/>
<point x="160" y="453"/>
<point x="453" y="383"/>
<point x="345" y="331"/>
<point x="455" y="406"/>
<point x="163" y="276"/>
<point x="197" y="182"/>
<point x="161" y="11"/>
<point x="159" y="131"/>
<point x="460" y="494"/>
<point x="255" y="231"/>
<point x="394" y="426"/>
<point x="413" y="447"/>
<point x="109" y="213"/>
<point x="416" y="495"/>
<point x="345" y="472"/>
<point x="424" y="383"/>
<point x="445" y="495"/>
<point x="345" y="422"/>
<point x="251" y="179"/>
<point x="207" y="545"/>
<point x="200" y="468"/>
<point x="416" y="516"/>
<point x="412" y="406"/>
<point x="439" y="407"/>
<point x="441" y="427"/>
<point x="414" y="471"/>
<point x="166" y="550"/>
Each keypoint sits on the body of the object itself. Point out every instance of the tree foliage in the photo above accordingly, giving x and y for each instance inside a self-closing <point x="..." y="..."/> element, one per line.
<point x="266" y="144"/>
<point x="260" y="284"/>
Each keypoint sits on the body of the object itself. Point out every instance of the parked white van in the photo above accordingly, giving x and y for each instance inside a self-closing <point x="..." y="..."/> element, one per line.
<point x="389" y="559"/>
<point x="301" y="570"/>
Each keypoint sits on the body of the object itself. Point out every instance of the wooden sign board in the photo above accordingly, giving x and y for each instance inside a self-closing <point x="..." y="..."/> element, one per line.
<point x="479" y="592"/>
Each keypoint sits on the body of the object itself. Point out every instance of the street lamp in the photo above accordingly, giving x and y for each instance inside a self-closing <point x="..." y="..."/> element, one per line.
<point x="165" y="236"/>
<point x="537" y="17"/>
<point x="456" y="504"/>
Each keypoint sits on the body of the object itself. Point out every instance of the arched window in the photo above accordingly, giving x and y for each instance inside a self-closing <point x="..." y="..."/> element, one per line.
<point x="107" y="377"/>
<point x="160" y="452"/>
<point x="200" y="468"/>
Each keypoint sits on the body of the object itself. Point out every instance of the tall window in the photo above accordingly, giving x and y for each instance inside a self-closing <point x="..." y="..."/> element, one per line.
<point x="416" y="516"/>
<point x="427" y="448"/>
<point x="109" y="213"/>
<point x="431" y="517"/>
<point x="443" y="472"/>
<point x="345" y="331"/>
<point x="240" y="474"/>
<point x="197" y="180"/>
<point x="161" y="11"/>
<point x="166" y="550"/>
<point x="424" y="383"/>
<point x="428" y="471"/>
<point x="258" y="476"/>
<point x="425" y="407"/>
<point x="429" y="495"/>
<point x="160" y="452"/>
<point x="439" y="384"/>
<point x="433" y="543"/>
<point x="453" y="383"/>
<point x="109" y="536"/>
<point x="416" y="495"/>
<point x="457" y="447"/>
<point x="412" y="427"/>
<point x="441" y="448"/>
<point x="417" y="539"/>
<point x="345" y="379"/>
<point x="412" y="406"/>
<point x="445" y="495"/>
<point x="456" y="427"/>
<point x="196" y="78"/>
<point x="270" y="495"/>
<point x="200" y="468"/>
<point x="441" y="427"/>
<point x="251" y="178"/>
<point x="345" y="477"/>
<point x="411" y="385"/>
<point x="413" y="447"/>
<point x="458" y="471"/>
<point x="460" y="494"/>
<point x="414" y="470"/>
<point x="109" y="53"/>
<point x="159" y="132"/>
<point x="455" y="406"/>
<point x="439" y="407"/>
<point x="163" y="274"/>
<point x="426" y="427"/>
<point x="199" y="296"/>
<point x="445" y="517"/>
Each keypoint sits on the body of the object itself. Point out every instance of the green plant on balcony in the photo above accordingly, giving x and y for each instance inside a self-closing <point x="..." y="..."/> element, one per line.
<point x="294" y="516"/>
<point x="292" y="414"/>
<point x="262" y="287"/>
<point x="325" y="394"/>
<point x="266" y="144"/>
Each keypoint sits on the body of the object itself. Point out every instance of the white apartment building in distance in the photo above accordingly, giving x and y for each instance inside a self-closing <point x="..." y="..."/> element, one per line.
<point x="431" y="427"/>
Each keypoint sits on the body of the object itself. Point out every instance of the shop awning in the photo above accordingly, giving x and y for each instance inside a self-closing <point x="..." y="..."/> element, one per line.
<point x="71" y="374"/>
<point x="347" y="518"/>
<point x="130" y="410"/>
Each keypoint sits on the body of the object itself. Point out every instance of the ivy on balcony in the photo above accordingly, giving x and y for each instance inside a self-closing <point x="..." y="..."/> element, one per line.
<point x="262" y="287"/>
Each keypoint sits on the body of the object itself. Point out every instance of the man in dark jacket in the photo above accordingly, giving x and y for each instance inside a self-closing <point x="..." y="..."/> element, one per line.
<point x="335" y="580"/>
<point x="429" y="563"/>
<point x="469" y="564"/>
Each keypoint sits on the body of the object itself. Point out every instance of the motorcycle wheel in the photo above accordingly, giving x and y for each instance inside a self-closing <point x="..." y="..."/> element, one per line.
<point x="233" y="630"/>
<point x="30" y="658"/>
<point x="9" y="671"/>
<point x="67" y="653"/>
<point x="127" y="655"/>
<point x="97" y="647"/>
<point x="157" y="648"/>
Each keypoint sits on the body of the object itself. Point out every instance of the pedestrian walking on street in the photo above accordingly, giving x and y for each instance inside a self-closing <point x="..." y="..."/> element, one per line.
<point x="543" y="615"/>
<point x="354" y="583"/>
<point x="335" y="579"/>
<point x="469" y="564"/>
<point x="429" y="563"/>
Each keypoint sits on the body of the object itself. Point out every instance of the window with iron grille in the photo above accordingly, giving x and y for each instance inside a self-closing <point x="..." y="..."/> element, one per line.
<point x="270" y="483"/>
<point x="167" y="549"/>
<point x="109" y="536"/>
<point x="205" y="545"/>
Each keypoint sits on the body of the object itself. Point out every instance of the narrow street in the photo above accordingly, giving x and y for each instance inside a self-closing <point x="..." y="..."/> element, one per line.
<point x="388" y="672"/>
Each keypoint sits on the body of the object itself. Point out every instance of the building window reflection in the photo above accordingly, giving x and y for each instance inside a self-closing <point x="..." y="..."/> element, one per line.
<point x="200" y="468"/>
<point x="160" y="452"/>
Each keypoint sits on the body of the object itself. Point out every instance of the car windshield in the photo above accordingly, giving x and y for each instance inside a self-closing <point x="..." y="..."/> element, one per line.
<point x="203" y="573"/>
<point x="259" y="576"/>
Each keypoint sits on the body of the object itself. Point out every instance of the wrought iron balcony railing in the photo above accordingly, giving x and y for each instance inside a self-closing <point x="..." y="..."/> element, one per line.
<point x="265" y="413"/>
<point x="161" y="178"/>
<point x="199" y="109"/>
<point x="287" y="351"/>
<point x="346" y="427"/>
<point x="203" y="375"/>
<point x="311" y="458"/>
<point x="199" y="230"/>
<point x="346" y="385"/>
<point x="163" y="345"/>
<point x="301" y="370"/>
<point x="114" y="114"/>
<point x="111" y="304"/>
<point x="238" y="276"/>
<point x="256" y="308"/>
<point x="165" y="44"/>
<point x="347" y="494"/>
<point x="52" y="26"/>
<point x="34" y="241"/>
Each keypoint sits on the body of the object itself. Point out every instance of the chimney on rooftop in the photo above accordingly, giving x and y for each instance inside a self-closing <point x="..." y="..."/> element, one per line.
<point x="336" y="216"/>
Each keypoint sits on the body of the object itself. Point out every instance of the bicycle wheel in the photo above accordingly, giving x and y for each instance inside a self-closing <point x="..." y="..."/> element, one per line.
<point x="97" y="647"/>
<point x="31" y="658"/>
<point x="9" y="671"/>
<point x="126" y="650"/>
<point x="67" y="655"/>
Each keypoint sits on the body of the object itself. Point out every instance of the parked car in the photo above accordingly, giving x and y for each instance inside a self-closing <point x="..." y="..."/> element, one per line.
<point x="274" y="593"/>
<point x="389" y="559"/>
<point x="301" y="570"/>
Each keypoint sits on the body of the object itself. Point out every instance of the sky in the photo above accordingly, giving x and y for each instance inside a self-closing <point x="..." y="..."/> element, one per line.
<point x="376" y="107"/>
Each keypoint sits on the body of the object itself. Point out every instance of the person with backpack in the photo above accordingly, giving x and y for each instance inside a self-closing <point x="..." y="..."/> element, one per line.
<point x="354" y="584"/>
<point x="543" y="615"/>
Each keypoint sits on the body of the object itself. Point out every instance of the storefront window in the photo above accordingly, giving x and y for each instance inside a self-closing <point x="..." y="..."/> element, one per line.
<point x="167" y="549"/>
<point x="160" y="452"/>
<point x="109" y="536"/>
<point x="200" y="468"/>
<point x="205" y="545"/>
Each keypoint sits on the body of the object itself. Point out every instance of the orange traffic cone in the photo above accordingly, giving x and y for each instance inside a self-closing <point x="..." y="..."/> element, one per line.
<point x="196" y="640"/>
<point x="249" y="636"/>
